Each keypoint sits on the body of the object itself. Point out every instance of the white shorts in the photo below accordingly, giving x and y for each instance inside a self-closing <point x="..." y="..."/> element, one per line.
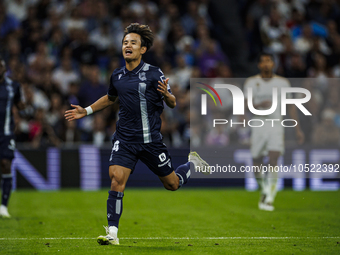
<point x="266" y="138"/>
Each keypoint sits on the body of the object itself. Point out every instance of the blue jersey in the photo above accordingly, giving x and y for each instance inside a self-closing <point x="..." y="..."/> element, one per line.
<point x="140" y="104"/>
<point x="9" y="95"/>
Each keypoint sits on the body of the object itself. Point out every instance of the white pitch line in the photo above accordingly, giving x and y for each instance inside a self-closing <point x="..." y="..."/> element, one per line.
<point x="181" y="238"/>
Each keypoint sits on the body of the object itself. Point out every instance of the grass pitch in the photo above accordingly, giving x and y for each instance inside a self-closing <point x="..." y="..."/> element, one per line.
<point x="189" y="221"/>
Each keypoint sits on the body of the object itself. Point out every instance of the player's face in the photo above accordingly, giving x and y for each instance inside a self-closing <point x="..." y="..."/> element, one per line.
<point x="131" y="48"/>
<point x="266" y="64"/>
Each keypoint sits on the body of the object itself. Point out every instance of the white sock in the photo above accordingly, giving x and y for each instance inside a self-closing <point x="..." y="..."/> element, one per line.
<point x="113" y="231"/>
<point x="272" y="183"/>
<point x="265" y="187"/>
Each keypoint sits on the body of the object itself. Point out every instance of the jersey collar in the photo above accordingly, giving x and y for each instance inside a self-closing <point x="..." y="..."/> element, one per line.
<point x="137" y="69"/>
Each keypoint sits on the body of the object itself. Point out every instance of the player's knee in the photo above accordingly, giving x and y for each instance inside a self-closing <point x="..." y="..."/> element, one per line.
<point x="6" y="166"/>
<point x="117" y="182"/>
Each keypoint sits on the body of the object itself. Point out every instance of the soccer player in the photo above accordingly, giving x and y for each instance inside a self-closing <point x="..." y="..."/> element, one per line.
<point x="9" y="95"/>
<point x="268" y="140"/>
<point x="141" y="89"/>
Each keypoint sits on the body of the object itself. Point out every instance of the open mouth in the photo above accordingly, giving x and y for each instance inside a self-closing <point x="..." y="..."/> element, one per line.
<point x="128" y="52"/>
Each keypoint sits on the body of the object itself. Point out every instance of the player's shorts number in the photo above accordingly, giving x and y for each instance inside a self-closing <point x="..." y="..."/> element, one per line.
<point x="115" y="146"/>
<point x="162" y="157"/>
<point x="11" y="145"/>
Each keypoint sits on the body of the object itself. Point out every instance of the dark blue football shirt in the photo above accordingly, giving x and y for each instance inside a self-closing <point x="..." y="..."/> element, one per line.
<point x="9" y="95"/>
<point x="140" y="104"/>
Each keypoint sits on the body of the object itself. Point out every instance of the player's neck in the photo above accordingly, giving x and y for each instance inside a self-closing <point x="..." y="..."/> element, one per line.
<point x="267" y="75"/>
<point x="133" y="64"/>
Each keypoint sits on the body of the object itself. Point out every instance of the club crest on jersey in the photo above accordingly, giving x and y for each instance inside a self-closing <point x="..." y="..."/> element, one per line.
<point x="142" y="76"/>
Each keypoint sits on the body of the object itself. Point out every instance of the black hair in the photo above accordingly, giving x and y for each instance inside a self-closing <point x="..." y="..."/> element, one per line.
<point x="264" y="54"/>
<point x="144" y="31"/>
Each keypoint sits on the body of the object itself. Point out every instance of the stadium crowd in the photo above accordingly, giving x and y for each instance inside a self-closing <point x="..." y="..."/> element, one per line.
<point x="63" y="52"/>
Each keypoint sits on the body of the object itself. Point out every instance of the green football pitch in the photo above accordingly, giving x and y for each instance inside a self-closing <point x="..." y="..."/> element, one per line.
<point x="188" y="221"/>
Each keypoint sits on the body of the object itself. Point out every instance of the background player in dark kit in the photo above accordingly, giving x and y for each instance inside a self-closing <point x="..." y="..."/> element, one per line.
<point x="9" y="95"/>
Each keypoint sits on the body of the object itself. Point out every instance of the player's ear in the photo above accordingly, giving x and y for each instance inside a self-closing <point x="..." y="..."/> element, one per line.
<point x="143" y="49"/>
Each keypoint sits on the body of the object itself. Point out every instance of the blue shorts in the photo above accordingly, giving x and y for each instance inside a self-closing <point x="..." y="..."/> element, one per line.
<point x="154" y="155"/>
<point x="7" y="147"/>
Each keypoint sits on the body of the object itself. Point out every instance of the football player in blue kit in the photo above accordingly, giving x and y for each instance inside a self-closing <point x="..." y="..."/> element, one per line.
<point x="141" y="89"/>
<point x="10" y="94"/>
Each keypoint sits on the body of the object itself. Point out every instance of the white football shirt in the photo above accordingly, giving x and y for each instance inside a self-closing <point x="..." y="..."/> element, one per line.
<point x="263" y="91"/>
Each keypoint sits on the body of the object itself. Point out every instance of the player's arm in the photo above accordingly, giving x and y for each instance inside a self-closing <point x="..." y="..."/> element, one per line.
<point x="79" y="112"/>
<point x="169" y="98"/>
<point x="298" y="132"/>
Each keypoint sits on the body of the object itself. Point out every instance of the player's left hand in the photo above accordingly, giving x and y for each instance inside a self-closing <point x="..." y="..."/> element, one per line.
<point x="300" y="136"/>
<point x="163" y="87"/>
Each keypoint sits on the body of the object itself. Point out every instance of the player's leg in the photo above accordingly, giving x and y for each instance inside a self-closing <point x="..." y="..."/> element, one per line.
<point x="258" y="150"/>
<point x="156" y="156"/>
<point x="275" y="149"/>
<point x="257" y="162"/>
<point x="272" y="177"/>
<point x="259" y="176"/>
<point x="119" y="176"/>
<point x="6" y="186"/>
<point x="183" y="172"/>
<point x="176" y="178"/>
<point x="170" y="182"/>
<point x="122" y="163"/>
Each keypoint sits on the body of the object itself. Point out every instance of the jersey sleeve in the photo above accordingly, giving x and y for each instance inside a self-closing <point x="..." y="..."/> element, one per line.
<point x="112" y="90"/>
<point x="287" y="84"/>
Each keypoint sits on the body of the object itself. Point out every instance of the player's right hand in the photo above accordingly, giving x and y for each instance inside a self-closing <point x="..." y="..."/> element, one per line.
<point x="77" y="113"/>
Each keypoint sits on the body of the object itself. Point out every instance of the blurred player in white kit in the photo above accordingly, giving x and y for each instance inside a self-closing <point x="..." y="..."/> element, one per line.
<point x="268" y="140"/>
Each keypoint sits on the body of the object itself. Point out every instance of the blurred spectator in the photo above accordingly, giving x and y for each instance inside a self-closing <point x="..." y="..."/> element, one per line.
<point x="91" y="89"/>
<point x="72" y="97"/>
<point x="171" y="15"/>
<point x="65" y="75"/>
<point x="182" y="72"/>
<point x="142" y="8"/>
<point x="295" y="67"/>
<point x="40" y="133"/>
<point x="102" y="37"/>
<point x="217" y="137"/>
<point x="99" y="135"/>
<point x="75" y="21"/>
<point x="259" y="9"/>
<point x="8" y="23"/>
<point x="208" y="61"/>
<point x="304" y="43"/>
<point x="70" y="133"/>
<point x="83" y="51"/>
<point x="190" y="18"/>
<point x="54" y="115"/>
<point x="272" y="29"/>
<point x="17" y="8"/>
